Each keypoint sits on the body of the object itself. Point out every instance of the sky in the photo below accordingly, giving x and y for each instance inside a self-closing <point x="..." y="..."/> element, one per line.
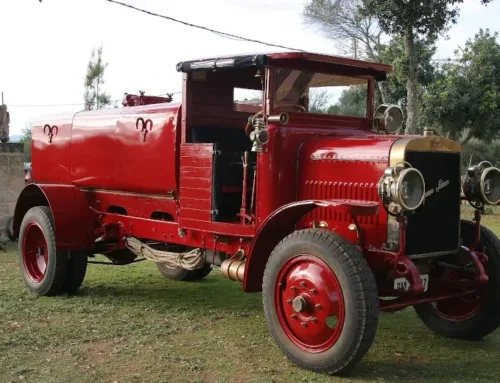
<point x="45" y="47"/>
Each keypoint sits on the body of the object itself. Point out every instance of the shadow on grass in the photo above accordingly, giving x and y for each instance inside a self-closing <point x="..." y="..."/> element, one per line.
<point x="439" y="371"/>
<point x="211" y="293"/>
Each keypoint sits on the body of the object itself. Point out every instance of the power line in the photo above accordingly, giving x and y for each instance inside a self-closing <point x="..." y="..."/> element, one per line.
<point x="223" y="34"/>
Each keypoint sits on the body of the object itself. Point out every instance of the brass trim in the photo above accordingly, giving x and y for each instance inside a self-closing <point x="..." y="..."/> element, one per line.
<point x="430" y="143"/>
<point x="421" y="144"/>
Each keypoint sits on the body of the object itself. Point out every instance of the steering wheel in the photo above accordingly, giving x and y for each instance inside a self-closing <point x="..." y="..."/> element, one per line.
<point x="299" y="107"/>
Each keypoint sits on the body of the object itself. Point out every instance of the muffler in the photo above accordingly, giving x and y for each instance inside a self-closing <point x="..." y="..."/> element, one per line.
<point x="233" y="269"/>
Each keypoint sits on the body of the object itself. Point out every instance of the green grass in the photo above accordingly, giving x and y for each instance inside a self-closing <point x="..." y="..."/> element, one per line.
<point x="128" y="324"/>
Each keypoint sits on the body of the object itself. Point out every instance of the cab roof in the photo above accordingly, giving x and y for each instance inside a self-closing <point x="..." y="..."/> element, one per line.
<point x="316" y="61"/>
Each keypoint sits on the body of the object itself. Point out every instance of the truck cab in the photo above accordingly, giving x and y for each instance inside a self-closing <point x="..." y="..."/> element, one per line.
<point x="278" y="169"/>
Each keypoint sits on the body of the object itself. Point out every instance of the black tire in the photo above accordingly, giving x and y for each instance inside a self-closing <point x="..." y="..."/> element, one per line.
<point x="487" y="317"/>
<point x="358" y="289"/>
<point x="181" y="274"/>
<point x="10" y="229"/>
<point x="57" y="263"/>
<point x="77" y="268"/>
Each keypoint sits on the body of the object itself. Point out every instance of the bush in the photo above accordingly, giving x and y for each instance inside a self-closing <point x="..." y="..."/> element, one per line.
<point x="480" y="151"/>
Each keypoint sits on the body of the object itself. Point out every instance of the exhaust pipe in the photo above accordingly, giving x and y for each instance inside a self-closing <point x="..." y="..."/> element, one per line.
<point x="233" y="269"/>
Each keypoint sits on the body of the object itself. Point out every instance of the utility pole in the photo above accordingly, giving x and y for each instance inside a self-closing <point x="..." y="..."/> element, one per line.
<point x="355" y="47"/>
<point x="2" y="99"/>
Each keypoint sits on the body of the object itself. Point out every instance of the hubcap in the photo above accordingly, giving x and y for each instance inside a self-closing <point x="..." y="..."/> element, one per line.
<point x="299" y="304"/>
<point x="35" y="254"/>
<point x="309" y="303"/>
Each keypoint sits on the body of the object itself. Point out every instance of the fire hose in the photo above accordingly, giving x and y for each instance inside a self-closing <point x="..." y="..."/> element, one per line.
<point x="191" y="260"/>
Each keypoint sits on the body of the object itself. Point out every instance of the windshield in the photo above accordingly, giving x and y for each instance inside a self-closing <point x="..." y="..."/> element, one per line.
<point x="320" y="93"/>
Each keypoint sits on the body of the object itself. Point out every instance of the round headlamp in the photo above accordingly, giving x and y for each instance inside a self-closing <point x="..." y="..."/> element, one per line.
<point x="402" y="186"/>
<point x="388" y="118"/>
<point x="482" y="184"/>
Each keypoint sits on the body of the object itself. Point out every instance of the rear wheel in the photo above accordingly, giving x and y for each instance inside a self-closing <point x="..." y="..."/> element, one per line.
<point x="76" y="270"/>
<point x="320" y="301"/>
<point x="475" y="315"/>
<point x="181" y="274"/>
<point x="42" y="267"/>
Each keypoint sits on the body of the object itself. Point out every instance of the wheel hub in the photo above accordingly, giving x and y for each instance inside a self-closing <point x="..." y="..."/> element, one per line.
<point x="35" y="253"/>
<point x="299" y="304"/>
<point x="309" y="303"/>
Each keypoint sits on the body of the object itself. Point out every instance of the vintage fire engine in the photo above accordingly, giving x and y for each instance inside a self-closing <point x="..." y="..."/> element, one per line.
<point x="330" y="214"/>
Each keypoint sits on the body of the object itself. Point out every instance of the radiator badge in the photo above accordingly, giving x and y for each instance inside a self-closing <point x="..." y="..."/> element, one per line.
<point x="441" y="185"/>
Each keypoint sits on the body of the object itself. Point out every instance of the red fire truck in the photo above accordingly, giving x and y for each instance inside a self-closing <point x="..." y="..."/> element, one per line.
<point x="327" y="211"/>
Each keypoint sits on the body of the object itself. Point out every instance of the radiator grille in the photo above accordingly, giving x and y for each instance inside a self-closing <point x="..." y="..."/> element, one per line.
<point x="435" y="226"/>
<point x="340" y="190"/>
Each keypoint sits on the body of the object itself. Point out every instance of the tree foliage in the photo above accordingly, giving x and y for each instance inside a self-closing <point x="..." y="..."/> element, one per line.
<point x="26" y="140"/>
<point x="352" y="102"/>
<point x="413" y="20"/>
<point x="464" y="101"/>
<point x="341" y="21"/>
<point x="94" y="96"/>
<point x="345" y="20"/>
<point x="393" y="53"/>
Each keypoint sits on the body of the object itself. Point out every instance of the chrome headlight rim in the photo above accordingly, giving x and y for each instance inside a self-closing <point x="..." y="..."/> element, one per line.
<point x="399" y="189"/>
<point x="390" y="186"/>
<point x="482" y="183"/>
<point x="382" y="115"/>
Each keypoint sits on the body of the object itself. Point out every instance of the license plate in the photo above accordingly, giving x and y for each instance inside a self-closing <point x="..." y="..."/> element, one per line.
<point x="404" y="284"/>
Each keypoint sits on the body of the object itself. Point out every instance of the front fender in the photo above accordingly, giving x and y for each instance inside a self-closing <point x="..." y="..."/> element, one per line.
<point x="281" y="223"/>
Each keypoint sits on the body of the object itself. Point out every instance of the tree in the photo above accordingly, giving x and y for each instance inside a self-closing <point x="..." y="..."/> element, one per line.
<point x="412" y="20"/>
<point x="464" y="101"/>
<point x="94" y="97"/>
<point x="344" y="21"/>
<point x="318" y="100"/>
<point x="26" y="140"/>
<point x="395" y="86"/>
<point x="352" y="102"/>
<point x="341" y="21"/>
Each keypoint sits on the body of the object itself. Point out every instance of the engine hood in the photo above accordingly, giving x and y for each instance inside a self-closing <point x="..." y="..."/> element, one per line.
<point x="367" y="148"/>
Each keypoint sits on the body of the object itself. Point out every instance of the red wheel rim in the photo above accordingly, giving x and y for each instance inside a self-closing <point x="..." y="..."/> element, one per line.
<point x="459" y="309"/>
<point x="309" y="303"/>
<point x="35" y="254"/>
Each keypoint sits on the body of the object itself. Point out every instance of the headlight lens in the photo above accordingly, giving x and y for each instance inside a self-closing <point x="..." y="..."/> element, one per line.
<point x="481" y="184"/>
<point x="411" y="189"/>
<point x="402" y="186"/>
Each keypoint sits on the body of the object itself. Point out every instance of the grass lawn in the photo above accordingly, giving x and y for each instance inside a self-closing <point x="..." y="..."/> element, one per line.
<point x="128" y="324"/>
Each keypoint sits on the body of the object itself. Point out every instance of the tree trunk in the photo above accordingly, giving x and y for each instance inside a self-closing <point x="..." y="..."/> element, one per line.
<point x="382" y="92"/>
<point x="411" y="83"/>
<point x="470" y="134"/>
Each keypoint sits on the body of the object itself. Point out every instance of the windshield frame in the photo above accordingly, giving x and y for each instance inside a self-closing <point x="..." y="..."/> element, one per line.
<point x="271" y="78"/>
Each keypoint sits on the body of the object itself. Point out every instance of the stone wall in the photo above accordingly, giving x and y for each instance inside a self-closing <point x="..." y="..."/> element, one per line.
<point x="11" y="180"/>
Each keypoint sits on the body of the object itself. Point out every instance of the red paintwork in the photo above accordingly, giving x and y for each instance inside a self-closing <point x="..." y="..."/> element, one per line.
<point x="282" y="222"/>
<point x="463" y="307"/>
<point x="35" y="255"/>
<point x="137" y="171"/>
<point x="311" y="279"/>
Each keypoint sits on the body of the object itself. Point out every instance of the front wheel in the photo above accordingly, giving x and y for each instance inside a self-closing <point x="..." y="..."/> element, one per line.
<point x="320" y="301"/>
<point x="476" y="315"/>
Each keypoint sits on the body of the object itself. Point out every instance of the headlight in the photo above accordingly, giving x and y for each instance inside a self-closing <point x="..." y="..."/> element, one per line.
<point x="388" y="118"/>
<point x="402" y="186"/>
<point x="481" y="184"/>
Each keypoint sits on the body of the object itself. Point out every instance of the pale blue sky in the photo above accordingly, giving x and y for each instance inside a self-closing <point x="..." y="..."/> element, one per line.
<point x="46" y="46"/>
